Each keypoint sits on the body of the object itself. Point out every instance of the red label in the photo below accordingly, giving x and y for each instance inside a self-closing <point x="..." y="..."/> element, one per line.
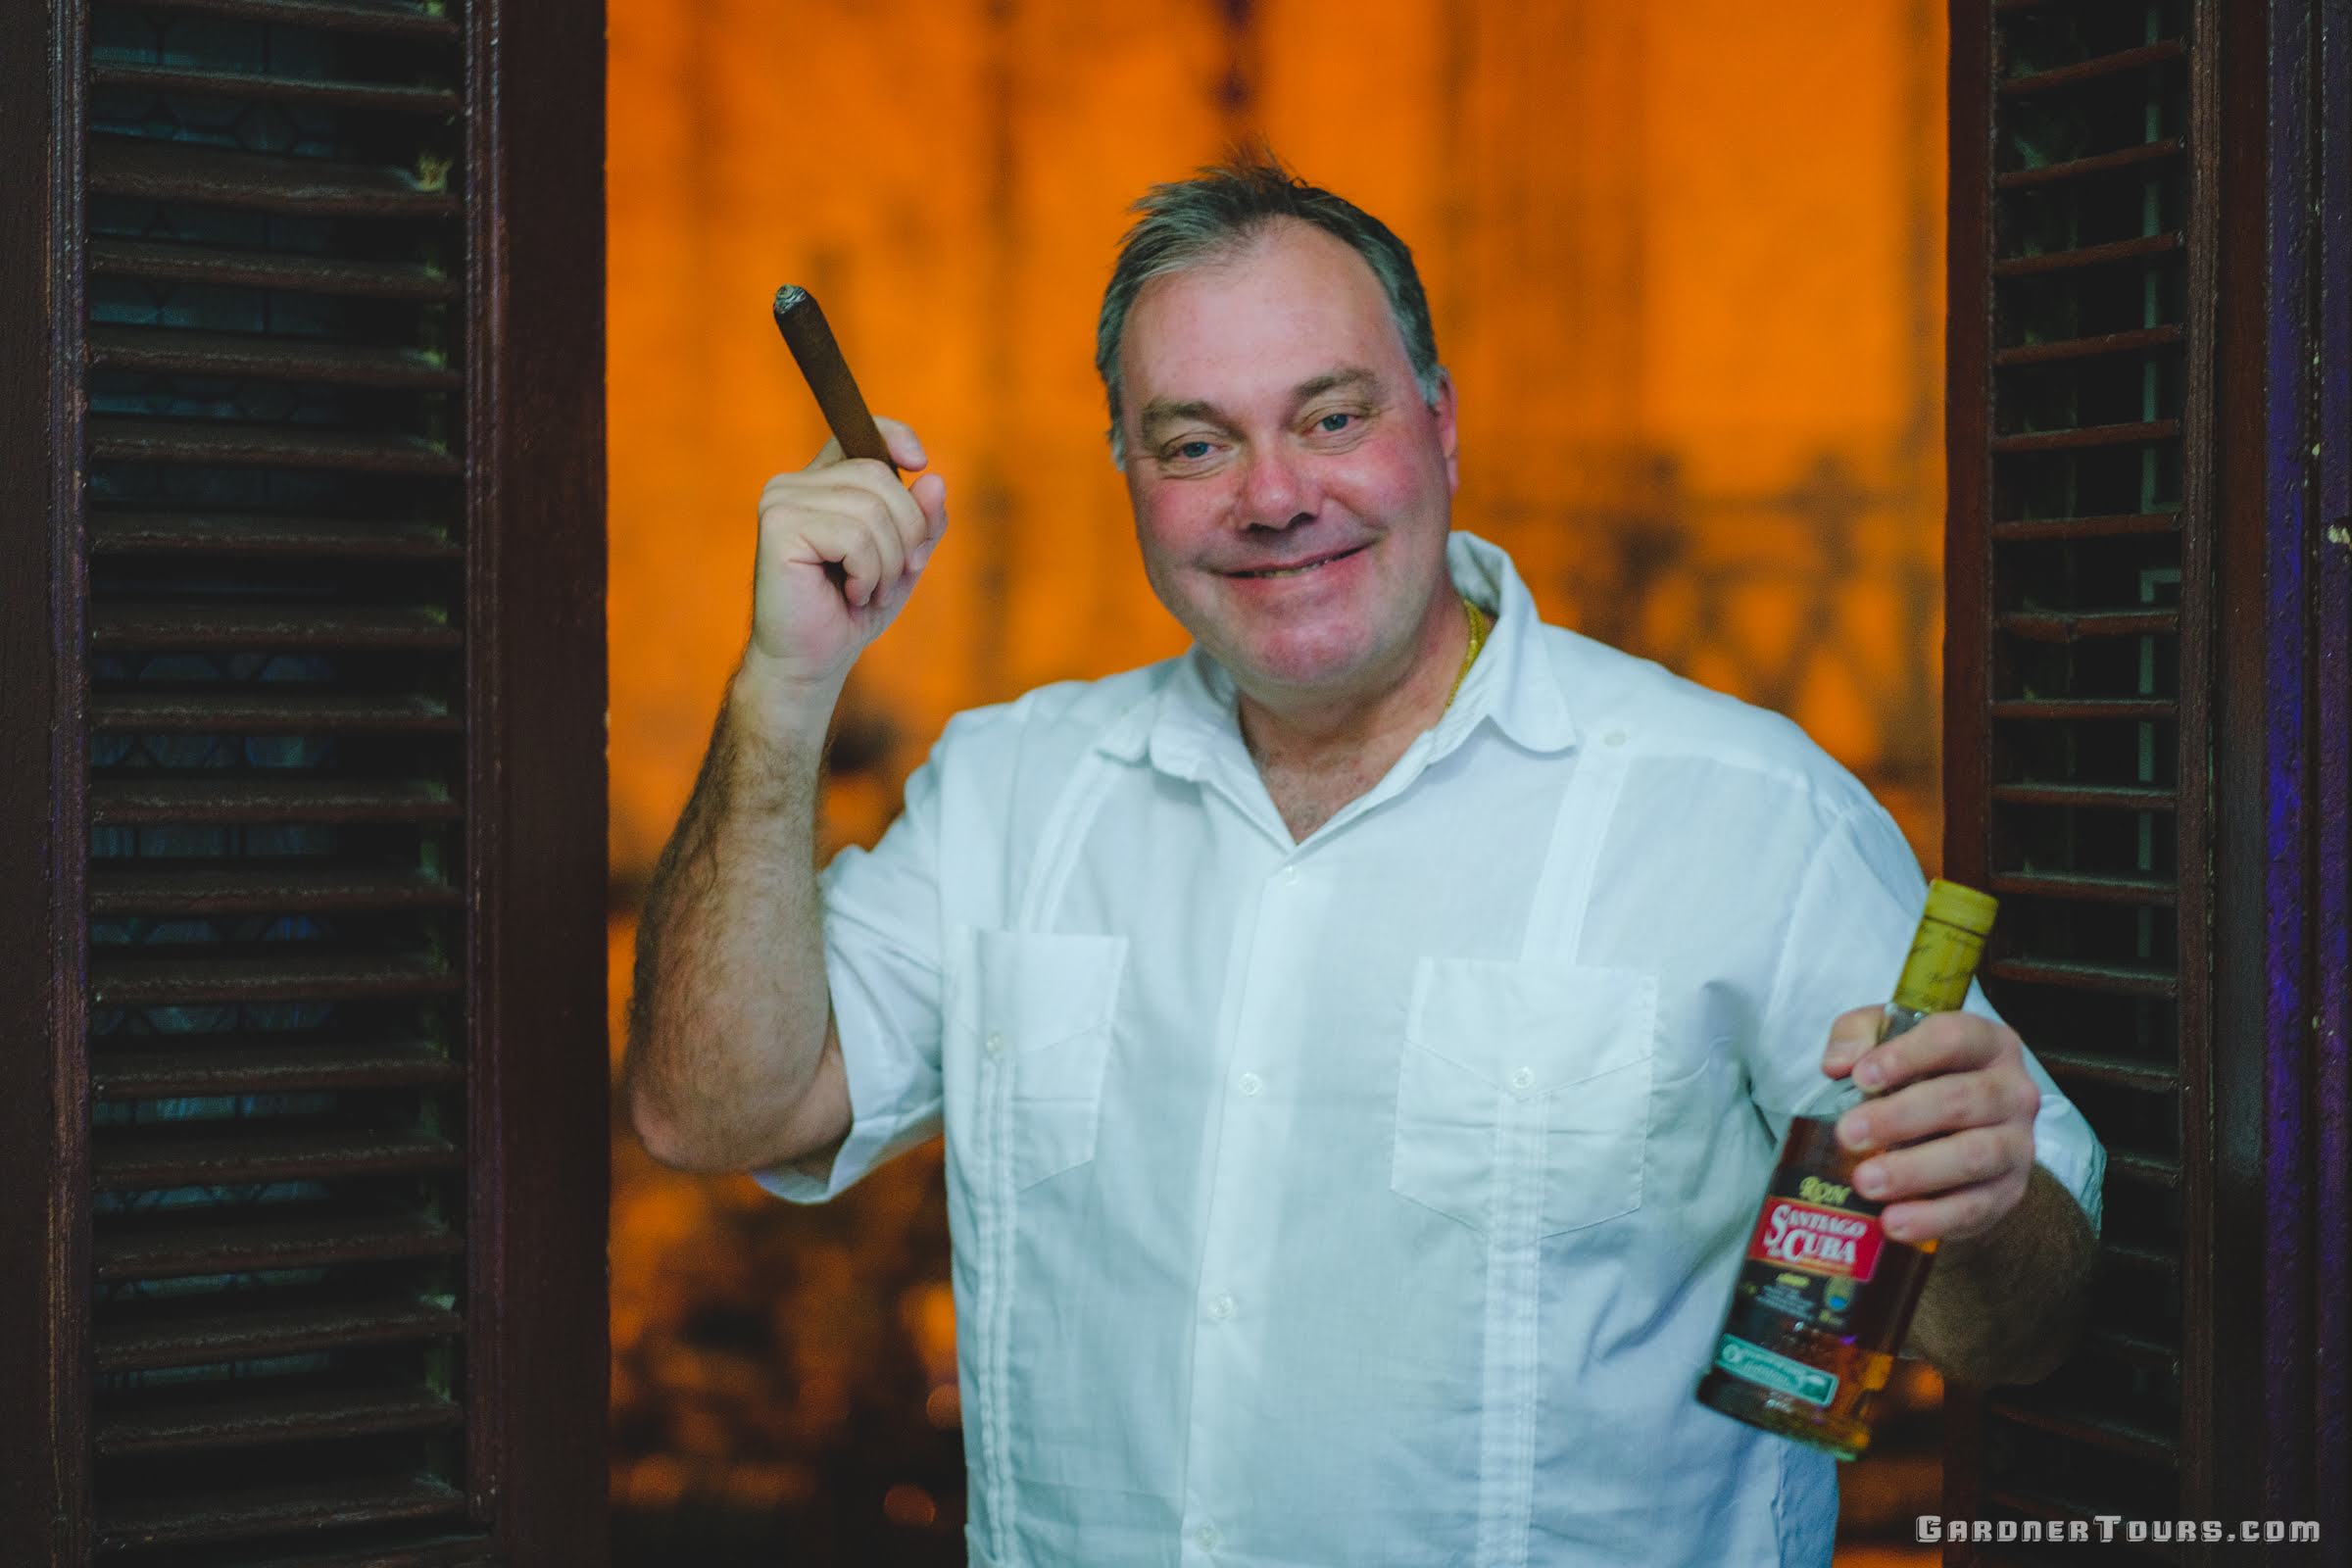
<point x="1825" y="1241"/>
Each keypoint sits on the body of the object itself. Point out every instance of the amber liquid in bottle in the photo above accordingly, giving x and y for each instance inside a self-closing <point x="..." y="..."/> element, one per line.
<point x="1824" y="1296"/>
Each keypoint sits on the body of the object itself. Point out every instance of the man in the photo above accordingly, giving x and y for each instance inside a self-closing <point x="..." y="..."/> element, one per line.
<point x="1360" y="1042"/>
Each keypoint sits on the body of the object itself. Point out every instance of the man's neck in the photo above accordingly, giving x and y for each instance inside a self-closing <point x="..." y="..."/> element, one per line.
<point x="1308" y="736"/>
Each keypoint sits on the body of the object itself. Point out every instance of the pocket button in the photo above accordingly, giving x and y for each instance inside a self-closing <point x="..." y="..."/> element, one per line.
<point x="1523" y="1080"/>
<point x="996" y="1045"/>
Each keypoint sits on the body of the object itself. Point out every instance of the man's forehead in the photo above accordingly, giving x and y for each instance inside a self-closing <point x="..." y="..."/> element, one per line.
<point x="1287" y="310"/>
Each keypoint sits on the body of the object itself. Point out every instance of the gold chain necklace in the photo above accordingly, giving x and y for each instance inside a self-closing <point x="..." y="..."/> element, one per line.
<point x="1478" y="638"/>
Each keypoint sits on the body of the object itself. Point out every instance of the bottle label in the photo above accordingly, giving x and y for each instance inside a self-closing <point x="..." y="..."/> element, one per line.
<point x="1755" y="1364"/>
<point x="1817" y="1258"/>
<point x="1793" y="1234"/>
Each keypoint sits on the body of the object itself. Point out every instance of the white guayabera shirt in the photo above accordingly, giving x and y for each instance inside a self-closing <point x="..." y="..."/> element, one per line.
<point x="1373" y="1199"/>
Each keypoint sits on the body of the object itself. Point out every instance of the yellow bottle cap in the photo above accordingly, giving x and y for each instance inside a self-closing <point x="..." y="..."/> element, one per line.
<point x="1972" y="912"/>
<point x="1945" y="948"/>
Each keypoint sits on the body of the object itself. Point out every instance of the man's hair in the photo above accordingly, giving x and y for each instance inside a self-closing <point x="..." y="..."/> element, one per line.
<point x="1220" y="212"/>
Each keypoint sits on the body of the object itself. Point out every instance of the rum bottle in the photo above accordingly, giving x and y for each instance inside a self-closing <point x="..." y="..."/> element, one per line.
<point x="1824" y="1296"/>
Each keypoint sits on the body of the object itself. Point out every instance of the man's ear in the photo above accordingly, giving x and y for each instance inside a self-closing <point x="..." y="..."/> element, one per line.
<point x="1449" y="435"/>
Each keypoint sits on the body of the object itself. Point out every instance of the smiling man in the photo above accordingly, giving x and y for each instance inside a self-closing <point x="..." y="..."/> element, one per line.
<point x="1360" y="1042"/>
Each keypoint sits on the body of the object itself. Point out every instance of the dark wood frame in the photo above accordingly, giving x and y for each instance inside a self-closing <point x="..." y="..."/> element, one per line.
<point x="2265" y="881"/>
<point x="537" y="1112"/>
<point x="44" y="1237"/>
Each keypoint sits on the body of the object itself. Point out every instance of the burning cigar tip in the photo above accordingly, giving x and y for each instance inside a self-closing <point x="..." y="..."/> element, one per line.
<point x="789" y="295"/>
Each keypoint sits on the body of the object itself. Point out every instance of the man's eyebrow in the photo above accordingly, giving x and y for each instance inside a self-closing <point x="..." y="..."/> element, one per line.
<point x="1167" y="410"/>
<point x="1160" y="412"/>
<point x="1348" y="378"/>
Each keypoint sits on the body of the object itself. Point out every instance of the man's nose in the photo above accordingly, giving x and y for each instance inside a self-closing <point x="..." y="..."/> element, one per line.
<point x="1278" y="490"/>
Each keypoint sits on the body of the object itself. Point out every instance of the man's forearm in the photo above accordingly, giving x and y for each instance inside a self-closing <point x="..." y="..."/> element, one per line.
<point x="2006" y="1306"/>
<point x="728" y="1018"/>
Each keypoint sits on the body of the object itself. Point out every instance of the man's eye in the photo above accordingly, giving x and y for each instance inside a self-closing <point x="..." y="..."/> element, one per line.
<point x="1333" y="423"/>
<point x="1189" y="450"/>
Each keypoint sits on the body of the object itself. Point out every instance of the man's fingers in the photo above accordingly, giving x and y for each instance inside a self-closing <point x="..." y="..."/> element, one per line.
<point x="1948" y="1102"/>
<point x="857" y="488"/>
<point x="1949" y="1186"/>
<point x="930" y="495"/>
<point x="1943" y="1041"/>
<point x="1851" y="1035"/>
<point x="858" y="538"/>
<point x="1941" y="1164"/>
<point x="906" y="447"/>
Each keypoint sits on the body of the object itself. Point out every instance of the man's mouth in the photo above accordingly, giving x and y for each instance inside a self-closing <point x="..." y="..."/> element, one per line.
<point x="1299" y="569"/>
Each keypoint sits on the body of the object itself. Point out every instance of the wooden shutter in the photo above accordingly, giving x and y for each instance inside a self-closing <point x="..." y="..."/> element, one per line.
<point x="304" y="1061"/>
<point x="2078" y="567"/>
<point x="2146" y="723"/>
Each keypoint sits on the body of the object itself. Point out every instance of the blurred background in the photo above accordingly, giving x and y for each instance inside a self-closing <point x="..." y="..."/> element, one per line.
<point x="1687" y="267"/>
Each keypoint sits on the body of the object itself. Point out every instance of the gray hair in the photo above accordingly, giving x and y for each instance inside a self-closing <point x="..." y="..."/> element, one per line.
<point x="1217" y="213"/>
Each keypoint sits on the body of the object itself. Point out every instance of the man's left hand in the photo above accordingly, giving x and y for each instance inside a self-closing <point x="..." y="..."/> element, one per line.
<point x="1953" y="1113"/>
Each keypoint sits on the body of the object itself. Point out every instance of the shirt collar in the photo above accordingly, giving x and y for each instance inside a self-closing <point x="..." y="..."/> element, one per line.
<point x="1513" y="683"/>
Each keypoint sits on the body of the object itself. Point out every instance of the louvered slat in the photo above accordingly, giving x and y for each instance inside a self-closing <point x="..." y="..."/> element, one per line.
<point x="252" y="711"/>
<point x="245" y="536"/>
<point x="2094" y="1067"/>
<point x="2055" y="709"/>
<point x="200" y="981"/>
<point x="269" y="1510"/>
<point x="2080" y="71"/>
<point x="2083" y="888"/>
<point x="2096" y="797"/>
<point x="215" y="443"/>
<point x="2121" y="979"/>
<point x="2140" y="340"/>
<point x="242" y="1065"/>
<point x="2096" y="435"/>
<point x="151" y="1251"/>
<point x="2066" y="627"/>
<point x="390" y="19"/>
<point x="294" y="1417"/>
<point x="210" y="623"/>
<point x="2094" y="166"/>
<point x="163" y="261"/>
<point x="2134" y="1441"/>
<point x="173" y="351"/>
<point x="165" y="172"/>
<point x="195" y="1339"/>
<point x="131" y="799"/>
<point x="273" y="1155"/>
<point x="245" y="886"/>
<point x="397" y="97"/>
<point x="2106" y="255"/>
<point x="2020" y="530"/>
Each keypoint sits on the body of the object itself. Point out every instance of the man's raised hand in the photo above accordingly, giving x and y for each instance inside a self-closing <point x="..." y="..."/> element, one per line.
<point x="842" y="544"/>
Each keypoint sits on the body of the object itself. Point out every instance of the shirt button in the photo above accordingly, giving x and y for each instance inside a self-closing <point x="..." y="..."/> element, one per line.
<point x="1290" y="876"/>
<point x="1207" y="1536"/>
<point x="1249" y="1083"/>
<point x="1221" y="1308"/>
<point x="1522" y="1079"/>
<point x="996" y="1045"/>
<point x="1615" y="737"/>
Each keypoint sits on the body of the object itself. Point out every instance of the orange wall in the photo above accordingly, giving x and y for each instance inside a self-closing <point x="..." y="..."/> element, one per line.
<point x="1685" y="262"/>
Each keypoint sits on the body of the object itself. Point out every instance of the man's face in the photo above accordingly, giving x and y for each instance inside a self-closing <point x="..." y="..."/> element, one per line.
<point x="1272" y="420"/>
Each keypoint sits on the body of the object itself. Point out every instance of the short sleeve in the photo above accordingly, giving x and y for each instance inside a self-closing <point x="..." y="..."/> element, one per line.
<point x="882" y="967"/>
<point x="1848" y="933"/>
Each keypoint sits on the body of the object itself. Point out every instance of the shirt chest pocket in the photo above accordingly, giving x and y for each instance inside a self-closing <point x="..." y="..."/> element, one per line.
<point x="1035" y="1011"/>
<point x="1523" y="1092"/>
